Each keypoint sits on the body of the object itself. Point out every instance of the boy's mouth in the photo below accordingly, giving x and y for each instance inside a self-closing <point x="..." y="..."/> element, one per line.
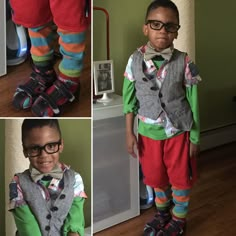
<point x="45" y="162"/>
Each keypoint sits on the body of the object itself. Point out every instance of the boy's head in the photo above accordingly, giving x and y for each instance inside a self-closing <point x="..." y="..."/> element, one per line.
<point x="161" y="23"/>
<point x="42" y="143"/>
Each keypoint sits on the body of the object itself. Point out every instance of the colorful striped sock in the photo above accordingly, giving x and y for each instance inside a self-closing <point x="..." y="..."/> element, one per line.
<point x="70" y="82"/>
<point x="181" y="202"/>
<point x="163" y="198"/>
<point x="72" y="46"/>
<point x="42" y="39"/>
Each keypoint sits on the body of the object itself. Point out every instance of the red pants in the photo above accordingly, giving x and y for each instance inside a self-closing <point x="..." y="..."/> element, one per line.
<point x="68" y="14"/>
<point x="167" y="161"/>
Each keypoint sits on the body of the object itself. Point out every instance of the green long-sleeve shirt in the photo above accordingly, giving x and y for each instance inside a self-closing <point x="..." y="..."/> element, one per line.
<point x="27" y="224"/>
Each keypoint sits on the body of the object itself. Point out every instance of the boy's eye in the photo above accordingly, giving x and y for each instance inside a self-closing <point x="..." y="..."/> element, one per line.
<point x="34" y="149"/>
<point x="51" y="146"/>
<point x="157" y="24"/>
<point x="171" y="27"/>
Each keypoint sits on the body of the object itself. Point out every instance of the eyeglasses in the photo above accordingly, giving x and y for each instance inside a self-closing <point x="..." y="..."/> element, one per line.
<point x="36" y="150"/>
<point x="158" y="25"/>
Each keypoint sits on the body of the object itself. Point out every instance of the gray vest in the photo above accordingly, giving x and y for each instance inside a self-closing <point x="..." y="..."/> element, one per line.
<point x="171" y="97"/>
<point x="52" y="213"/>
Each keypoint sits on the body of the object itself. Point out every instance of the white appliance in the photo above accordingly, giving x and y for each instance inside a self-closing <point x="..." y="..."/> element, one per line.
<point x="16" y="40"/>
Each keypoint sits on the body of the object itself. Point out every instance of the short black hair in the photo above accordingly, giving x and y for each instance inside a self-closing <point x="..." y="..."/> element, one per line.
<point x="29" y="124"/>
<point x="162" y="3"/>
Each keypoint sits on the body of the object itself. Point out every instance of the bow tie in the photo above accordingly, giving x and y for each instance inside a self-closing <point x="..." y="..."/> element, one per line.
<point x="56" y="173"/>
<point x="151" y="53"/>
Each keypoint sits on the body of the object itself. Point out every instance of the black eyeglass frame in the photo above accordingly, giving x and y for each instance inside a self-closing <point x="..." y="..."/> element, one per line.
<point x="166" y="25"/>
<point x="26" y="149"/>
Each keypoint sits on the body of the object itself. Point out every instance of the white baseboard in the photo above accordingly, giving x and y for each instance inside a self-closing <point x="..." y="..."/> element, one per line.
<point x="217" y="137"/>
<point x="87" y="231"/>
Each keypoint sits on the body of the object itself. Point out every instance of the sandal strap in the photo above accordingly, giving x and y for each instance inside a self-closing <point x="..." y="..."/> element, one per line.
<point x="149" y="230"/>
<point x="42" y="78"/>
<point x="173" y="227"/>
<point x="61" y="88"/>
<point x="157" y="223"/>
<point x="35" y="82"/>
<point x="60" y="91"/>
<point x="50" y="101"/>
<point x="26" y="89"/>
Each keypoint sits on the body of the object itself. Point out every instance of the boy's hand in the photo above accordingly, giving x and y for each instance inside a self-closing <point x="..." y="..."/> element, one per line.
<point x="131" y="144"/>
<point x="194" y="150"/>
<point x="72" y="234"/>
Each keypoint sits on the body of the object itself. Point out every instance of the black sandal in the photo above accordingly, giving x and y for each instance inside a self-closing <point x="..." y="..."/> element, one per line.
<point x="174" y="227"/>
<point x="50" y="102"/>
<point x="159" y="221"/>
<point x="38" y="82"/>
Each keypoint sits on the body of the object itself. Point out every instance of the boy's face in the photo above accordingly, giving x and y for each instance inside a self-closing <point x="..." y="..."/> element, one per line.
<point x="161" y="39"/>
<point x="39" y="137"/>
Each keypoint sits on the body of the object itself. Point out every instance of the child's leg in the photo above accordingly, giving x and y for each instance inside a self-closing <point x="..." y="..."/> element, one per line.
<point x="43" y="74"/>
<point x="42" y="39"/>
<point x="72" y="46"/>
<point x="181" y="202"/>
<point x="163" y="216"/>
<point x="163" y="198"/>
<point x="182" y="174"/>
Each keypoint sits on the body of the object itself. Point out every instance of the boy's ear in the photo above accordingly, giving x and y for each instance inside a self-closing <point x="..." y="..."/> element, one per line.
<point x="145" y="30"/>
<point x="176" y="36"/>
<point x="61" y="147"/>
<point x="25" y="154"/>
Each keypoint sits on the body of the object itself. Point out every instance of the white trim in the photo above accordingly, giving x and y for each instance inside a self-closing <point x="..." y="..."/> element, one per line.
<point x="3" y="59"/>
<point x="217" y="137"/>
<point x="87" y="231"/>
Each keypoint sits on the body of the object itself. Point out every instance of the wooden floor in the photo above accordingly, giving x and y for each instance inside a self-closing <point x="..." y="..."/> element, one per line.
<point x="213" y="201"/>
<point x="16" y="75"/>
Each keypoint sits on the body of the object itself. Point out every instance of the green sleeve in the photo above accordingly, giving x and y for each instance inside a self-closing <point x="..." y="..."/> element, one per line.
<point x="130" y="102"/>
<point x="75" y="219"/>
<point x="26" y="222"/>
<point x="192" y="96"/>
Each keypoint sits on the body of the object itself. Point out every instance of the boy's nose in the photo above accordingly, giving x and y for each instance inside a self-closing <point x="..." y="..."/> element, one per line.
<point x="163" y="29"/>
<point x="43" y="153"/>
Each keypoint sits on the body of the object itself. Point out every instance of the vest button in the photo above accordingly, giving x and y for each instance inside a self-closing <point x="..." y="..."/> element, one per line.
<point x="48" y="216"/>
<point x="62" y="196"/>
<point x="154" y="88"/>
<point x="163" y="105"/>
<point x="54" y="208"/>
<point x="145" y="79"/>
<point x="47" y="228"/>
<point x="160" y="95"/>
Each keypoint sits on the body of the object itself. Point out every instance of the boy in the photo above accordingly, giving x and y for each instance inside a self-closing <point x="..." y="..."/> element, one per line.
<point x="47" y="198"/>
<point x="45" y="92"/>
<point x="160" y="87"/>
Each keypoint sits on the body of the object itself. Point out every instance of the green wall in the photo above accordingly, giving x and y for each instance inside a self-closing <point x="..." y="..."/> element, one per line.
<point x="77" y="153"/>
<point x="126" y="21"/>
<point x="215" y="50"/>
<point x="215" y="55"/>
<point x="2" y="178"/>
